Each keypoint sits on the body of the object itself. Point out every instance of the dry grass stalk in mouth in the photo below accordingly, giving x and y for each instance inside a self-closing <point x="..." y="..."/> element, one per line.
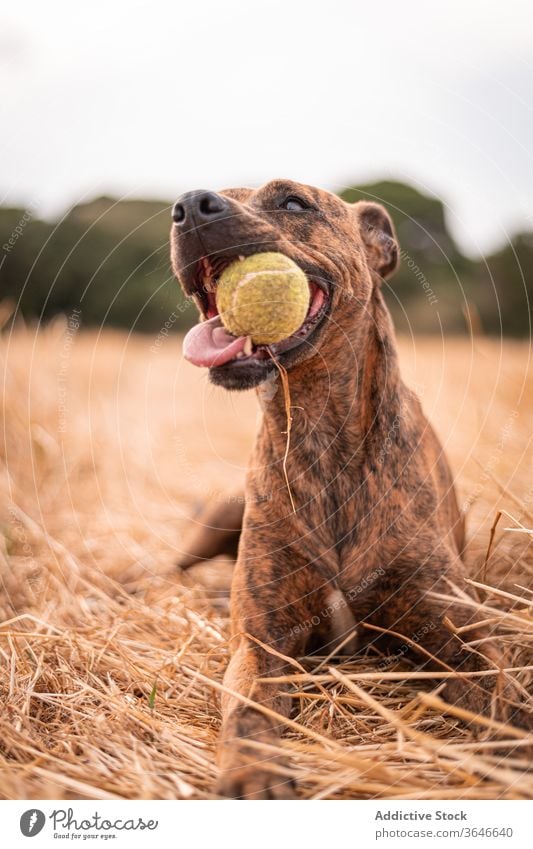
<point x="112" y="663"/>
<point x="287" y="401"/>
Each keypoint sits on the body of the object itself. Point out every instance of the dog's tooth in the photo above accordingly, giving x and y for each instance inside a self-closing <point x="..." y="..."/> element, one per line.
<point x="247" y="350"/>
<point x="241" y="257"/>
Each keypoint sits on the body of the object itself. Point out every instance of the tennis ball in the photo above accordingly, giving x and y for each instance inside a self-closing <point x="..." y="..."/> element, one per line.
<point x="264" y="296"/>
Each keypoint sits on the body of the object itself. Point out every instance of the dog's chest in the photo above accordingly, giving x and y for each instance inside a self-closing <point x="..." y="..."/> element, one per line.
<point x="342" y="498"/>
<point x="339" y="510"/>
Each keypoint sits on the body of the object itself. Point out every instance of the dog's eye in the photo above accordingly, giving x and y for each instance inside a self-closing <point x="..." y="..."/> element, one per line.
<point x="293" y="204"/>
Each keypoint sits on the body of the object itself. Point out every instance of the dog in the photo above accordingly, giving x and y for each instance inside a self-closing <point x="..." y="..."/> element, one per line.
<point x="364" y="505"/>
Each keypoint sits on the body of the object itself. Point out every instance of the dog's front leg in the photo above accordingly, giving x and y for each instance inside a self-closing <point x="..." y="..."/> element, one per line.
<point x="279" y="611"/>
<point x="246" y="770"/>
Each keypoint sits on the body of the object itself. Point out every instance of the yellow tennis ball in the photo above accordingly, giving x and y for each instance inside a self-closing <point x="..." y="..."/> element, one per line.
<point x="264" y="296"/>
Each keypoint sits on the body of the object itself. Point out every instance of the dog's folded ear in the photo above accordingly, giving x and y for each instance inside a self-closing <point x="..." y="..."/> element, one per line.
<point x="378" y="237"/>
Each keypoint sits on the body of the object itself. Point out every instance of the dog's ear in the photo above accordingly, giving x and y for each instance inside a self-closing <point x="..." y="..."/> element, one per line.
<point x="378" y="236"/>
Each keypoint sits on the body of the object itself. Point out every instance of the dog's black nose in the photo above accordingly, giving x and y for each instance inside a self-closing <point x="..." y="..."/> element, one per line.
<point x="198" y="207"/>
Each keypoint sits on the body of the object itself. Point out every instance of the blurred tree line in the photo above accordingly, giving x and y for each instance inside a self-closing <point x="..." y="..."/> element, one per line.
<point x="110" y="259"/>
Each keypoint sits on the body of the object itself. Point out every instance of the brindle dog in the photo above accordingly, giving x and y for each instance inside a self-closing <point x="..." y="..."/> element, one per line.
<point x="376" y="515"/>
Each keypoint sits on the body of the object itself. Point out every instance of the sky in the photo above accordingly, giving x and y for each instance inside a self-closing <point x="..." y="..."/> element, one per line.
<point x="154" y="98"/>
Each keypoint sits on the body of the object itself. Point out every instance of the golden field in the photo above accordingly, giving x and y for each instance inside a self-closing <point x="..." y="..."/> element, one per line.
<point x="112" y="660"/>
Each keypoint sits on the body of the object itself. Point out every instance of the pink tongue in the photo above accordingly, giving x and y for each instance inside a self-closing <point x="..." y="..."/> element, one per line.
<point x="209" y="344"/>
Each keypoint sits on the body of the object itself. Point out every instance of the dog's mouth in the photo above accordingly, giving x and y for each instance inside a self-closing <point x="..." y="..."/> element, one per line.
<point x="210" y="345"/>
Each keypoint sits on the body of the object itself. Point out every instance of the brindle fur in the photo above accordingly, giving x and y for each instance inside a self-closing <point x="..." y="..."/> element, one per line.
<point x="376" y="513"/>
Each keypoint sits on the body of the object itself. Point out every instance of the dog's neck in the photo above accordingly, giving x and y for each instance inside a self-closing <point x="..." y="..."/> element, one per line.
<point x="339" y="402"/>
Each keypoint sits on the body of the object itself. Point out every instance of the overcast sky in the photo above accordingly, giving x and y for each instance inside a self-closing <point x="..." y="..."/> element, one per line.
<point x="152" y="98"/>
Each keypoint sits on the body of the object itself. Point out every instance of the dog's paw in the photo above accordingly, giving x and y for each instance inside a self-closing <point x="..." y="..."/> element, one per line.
<point x="254" y="783"/>
<point x="477" y="699"/>
<point x="522" y="718"/>
<point x="468" y="695"/>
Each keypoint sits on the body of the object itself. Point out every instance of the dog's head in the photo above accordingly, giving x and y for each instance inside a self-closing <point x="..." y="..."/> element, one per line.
<point x="344" y="249"/>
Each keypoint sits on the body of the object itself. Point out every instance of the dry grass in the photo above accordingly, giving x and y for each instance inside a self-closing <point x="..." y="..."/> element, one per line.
<point x="112" y="663"/>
